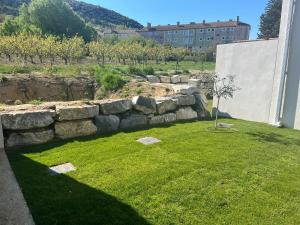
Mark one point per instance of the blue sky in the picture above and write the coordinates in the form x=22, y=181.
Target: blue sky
x=170, y=11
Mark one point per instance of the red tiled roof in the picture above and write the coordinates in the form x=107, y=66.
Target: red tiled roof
x=195, y=26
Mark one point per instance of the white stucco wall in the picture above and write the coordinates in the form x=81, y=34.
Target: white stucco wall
x=291, y=107
x=253, y=65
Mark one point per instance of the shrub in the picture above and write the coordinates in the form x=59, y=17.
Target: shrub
x=112, y=82
x=148, y=70
x=132, y=70
x=186, y=71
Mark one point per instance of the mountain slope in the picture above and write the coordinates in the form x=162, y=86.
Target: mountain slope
x=91, y=13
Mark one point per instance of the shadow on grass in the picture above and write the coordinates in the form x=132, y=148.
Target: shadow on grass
x=274, y=138
x=61, y=200
x=58, y=143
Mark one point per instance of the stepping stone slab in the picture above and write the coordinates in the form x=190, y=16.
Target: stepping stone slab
x=148, y=140
x=61, y=169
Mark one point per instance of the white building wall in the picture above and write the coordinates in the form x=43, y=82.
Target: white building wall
x=291, y=109
x=253, y=64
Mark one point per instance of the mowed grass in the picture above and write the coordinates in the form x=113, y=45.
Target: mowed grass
x=250, y=175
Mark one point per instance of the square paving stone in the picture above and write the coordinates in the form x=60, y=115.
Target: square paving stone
x=61, y=169
x=148, y=140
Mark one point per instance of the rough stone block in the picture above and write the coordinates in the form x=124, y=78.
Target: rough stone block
x=166, y=104
x=107, y=124
x=115, y=106
x=162, y=119
x=77, y=112
x=194, y=82
x=175, y=79
x=184, y=78
x=186, y=113
x=185, y=100
x=144, y=104
x=134, y=121
x=18, y=139
x=25, y=120
x=165, y=79
x=185, y=89
x=72, y=129
x=201, y=106
x=153, y=79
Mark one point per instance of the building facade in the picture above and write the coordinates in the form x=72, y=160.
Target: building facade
x=202, y=36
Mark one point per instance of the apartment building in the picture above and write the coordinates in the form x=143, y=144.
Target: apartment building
x=202, y=36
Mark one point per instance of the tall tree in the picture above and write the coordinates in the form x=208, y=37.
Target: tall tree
x=57, y=18
x=270, y=20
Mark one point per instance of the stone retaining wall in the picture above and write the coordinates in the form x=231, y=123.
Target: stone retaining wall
x=201, y=81
x=42, y=125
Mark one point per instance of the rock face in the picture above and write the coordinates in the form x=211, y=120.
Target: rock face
x=186, y=114
x=164, y=105
x=107, y=124
x=25, y=88
x=115, y=106
x=162, y=119
x=27, y=120
x=165, y=79
x=153, y=79
x=77, y=112
x=133, y=121
x=71, y=129
x=29, y=138
x=185, y=89
x=175, y=79
x=144, y=104
x=185, y=100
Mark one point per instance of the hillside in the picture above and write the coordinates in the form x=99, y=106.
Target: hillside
x=91, y=13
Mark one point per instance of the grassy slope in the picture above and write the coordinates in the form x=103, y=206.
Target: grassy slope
x=194, y=176
x=76, y=69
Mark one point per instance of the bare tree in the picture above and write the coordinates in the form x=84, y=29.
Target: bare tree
x=223, y=88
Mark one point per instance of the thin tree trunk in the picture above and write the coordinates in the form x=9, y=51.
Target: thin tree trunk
x=217, y=113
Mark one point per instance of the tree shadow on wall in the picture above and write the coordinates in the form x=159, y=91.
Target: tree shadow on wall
x=274, y=138
x=61, y=200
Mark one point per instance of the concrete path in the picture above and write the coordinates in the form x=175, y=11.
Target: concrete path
x=13, y=208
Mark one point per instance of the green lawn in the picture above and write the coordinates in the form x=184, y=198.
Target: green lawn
x=194, y=176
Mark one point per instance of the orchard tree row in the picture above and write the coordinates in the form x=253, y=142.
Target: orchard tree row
x=53, y=50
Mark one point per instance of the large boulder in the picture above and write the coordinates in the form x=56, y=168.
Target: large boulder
x=201, y=106
x=19, y=139
x=133, y=121
x=162, y=119
x=185, y=100
x=115, y=106
x=107, y=124
x=166, y=104
x=185, y=89
x=184, y=78
x=175, y=79
x=195, y=82
x=165, y=79
x=71, y=129
x=186, y=113
x=144, y=104
x=25, y=120
x=77, y=112
x=153, y=79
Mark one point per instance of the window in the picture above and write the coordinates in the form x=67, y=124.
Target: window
x=213, y=29
x=223, y=38
x=208, y=30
